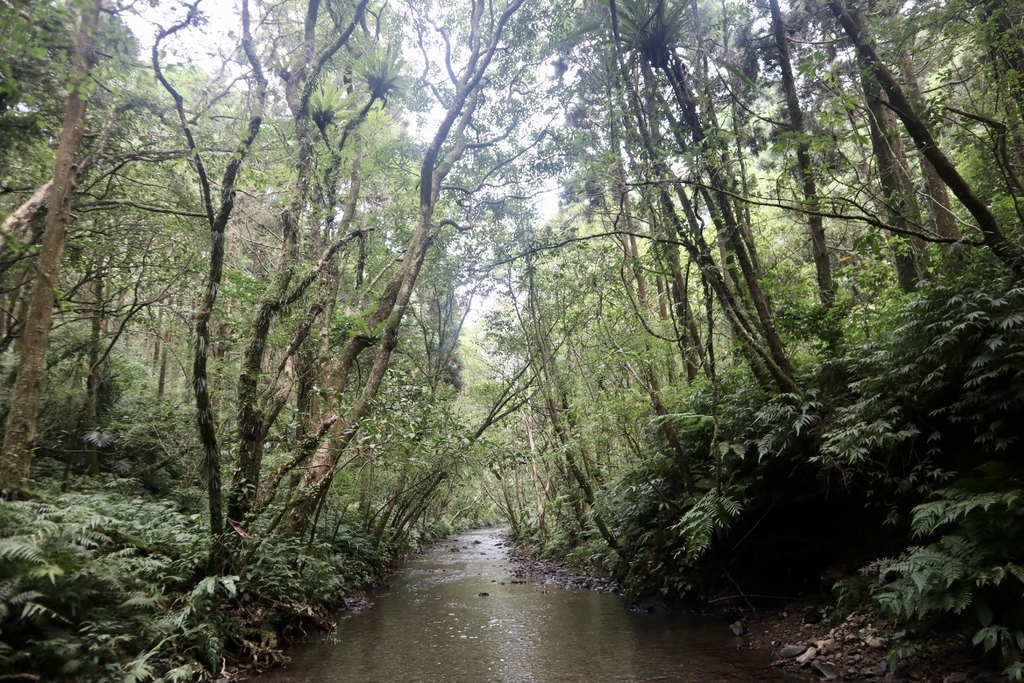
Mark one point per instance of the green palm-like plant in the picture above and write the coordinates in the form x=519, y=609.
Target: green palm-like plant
x=382, y=71
x=325, y=105
x=651, y=28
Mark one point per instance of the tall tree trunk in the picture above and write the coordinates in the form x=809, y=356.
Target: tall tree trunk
x=819, y=249
x=938, y=199
x=649, y=374
x=217, y=216
x=92, y=382
x=20, y=435
x=1003, y=31
x=894, y=178
x=691, y=237
x=538, y=488
x=434, y=168
x=253, y=421
x=161, y=384
x=735, y=235
x=688, y=342
x=551, y=386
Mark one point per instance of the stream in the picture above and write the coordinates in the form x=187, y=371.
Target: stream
x=453, y=615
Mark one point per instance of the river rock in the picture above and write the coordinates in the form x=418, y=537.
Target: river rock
x=357, y=603
x=874, y=641
x=827, y=646
x=560, y=575
x=813, y=615
x=829, y=672
x=806, y=657
x=791, y=651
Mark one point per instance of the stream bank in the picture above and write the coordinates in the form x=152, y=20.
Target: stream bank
x=862, y=647
x=803, y=639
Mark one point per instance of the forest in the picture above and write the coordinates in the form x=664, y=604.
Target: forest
x=720, y=298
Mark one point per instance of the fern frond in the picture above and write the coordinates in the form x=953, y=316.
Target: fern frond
x=19, y=550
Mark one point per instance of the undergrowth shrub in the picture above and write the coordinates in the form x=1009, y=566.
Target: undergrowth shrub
x=972, y=560
x=938, y=393
x=664, y=533
x=84, y=578
x=882, y=438
x=107, y=584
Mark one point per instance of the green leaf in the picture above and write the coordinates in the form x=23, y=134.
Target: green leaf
x=984, y=613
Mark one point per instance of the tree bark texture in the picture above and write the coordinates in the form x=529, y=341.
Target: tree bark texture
x=815, y=227
x=20, y=436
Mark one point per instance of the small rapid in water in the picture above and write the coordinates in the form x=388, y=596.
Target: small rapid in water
x=453, y=615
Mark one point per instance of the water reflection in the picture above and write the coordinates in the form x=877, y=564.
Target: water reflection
x=453, y=616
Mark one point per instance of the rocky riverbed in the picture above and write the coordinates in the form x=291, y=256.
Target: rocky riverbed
x=559, y=575
x=863, y=646
x=546, y=573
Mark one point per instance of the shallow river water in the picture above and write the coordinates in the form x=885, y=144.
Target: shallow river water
x=433, y=625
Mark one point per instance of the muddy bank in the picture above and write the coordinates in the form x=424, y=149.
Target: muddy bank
x=865, y=646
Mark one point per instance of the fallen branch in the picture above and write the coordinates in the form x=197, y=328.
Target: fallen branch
x=308, y=613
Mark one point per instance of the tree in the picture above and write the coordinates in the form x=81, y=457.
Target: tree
x=819, y=248
x=20, y=433
x=992, y=234
x=300, y=82
x=217, y=216
x=449, y=143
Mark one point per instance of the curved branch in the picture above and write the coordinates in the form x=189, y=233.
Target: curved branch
x=179, y=106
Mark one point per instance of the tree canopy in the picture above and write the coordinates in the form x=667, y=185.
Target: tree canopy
x=705, y=295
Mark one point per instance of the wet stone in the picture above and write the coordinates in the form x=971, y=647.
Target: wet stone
x=827, y=671
x=791, y=651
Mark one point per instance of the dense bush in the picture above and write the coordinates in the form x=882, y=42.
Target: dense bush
x=93, y=579
x=971, y=560
x=900, y=447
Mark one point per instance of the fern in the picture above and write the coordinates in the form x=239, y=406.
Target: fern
x=710, y=516
x=84, y=580
x=955, y=505
x=955, y=353
x=974, y=561
x=787, y=418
